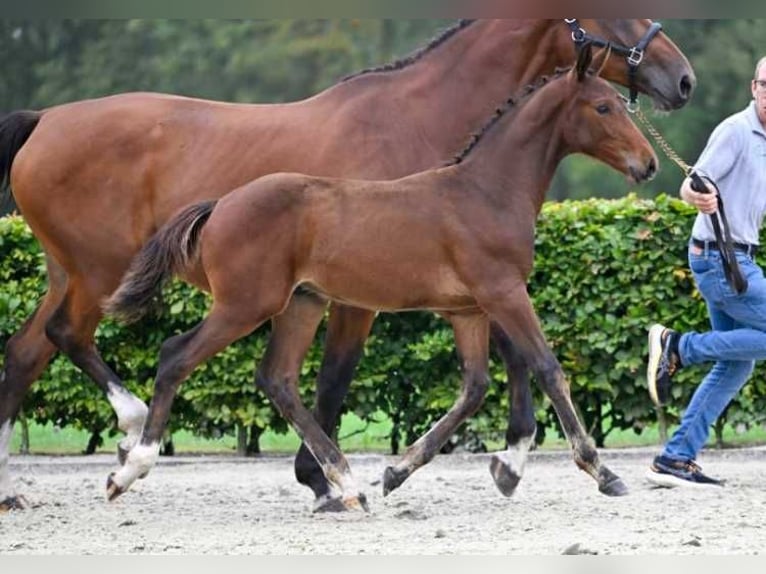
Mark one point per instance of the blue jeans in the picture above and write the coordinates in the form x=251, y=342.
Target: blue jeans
x=737, y=340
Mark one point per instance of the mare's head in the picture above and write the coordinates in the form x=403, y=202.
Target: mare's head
x=594, y=120
x=660, y=69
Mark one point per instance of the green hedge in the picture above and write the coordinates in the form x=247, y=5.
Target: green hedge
x=604, y=271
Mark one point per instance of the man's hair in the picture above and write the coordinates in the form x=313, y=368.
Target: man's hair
x=760, y=63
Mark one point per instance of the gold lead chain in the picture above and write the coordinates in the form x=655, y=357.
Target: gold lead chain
x=664, y=145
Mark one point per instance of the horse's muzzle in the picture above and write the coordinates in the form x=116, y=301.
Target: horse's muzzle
x=645, y=173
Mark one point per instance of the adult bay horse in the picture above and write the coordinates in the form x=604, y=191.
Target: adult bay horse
x=94, y=179
x=458, y=240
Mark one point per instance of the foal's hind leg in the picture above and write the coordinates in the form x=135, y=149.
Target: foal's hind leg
x=71, y=329
x=277, y=376
x=179, y=356
x=507, y=467
x=471, y=341
x=27, y=353
x=347, y=330
x=513, y=310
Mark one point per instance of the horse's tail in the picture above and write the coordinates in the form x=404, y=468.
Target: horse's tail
x=170, y=251
x=15, y=129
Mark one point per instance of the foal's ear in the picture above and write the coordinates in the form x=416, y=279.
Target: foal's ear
x=584, y=58
x=600, y=59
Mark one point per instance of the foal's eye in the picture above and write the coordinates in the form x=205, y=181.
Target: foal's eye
x=602, y=109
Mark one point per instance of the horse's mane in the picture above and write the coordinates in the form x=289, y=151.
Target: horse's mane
x=510, y=104
x=417, y=54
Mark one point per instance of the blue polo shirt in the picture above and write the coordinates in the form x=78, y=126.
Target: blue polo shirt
x=735, y=158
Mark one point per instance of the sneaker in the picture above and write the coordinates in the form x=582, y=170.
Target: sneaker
x=663, y=363
x=667, y=472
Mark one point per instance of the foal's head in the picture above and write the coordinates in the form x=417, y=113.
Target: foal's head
x=594, y=121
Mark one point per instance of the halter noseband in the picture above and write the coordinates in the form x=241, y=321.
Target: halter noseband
x=633, y=56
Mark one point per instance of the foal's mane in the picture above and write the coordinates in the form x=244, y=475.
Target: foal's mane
x=510, y=104
x=417, y=54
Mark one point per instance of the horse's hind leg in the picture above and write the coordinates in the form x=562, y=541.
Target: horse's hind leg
x=347, y=330
x=471, y=341
x=512, y=309
x=507, y=467
x=27, y=353
x=71, y=329
x=179, y=355
x=277, y=376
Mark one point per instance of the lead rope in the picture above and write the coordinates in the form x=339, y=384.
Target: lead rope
x=722, y=236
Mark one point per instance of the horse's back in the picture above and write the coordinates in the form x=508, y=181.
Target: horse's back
x=141, y=154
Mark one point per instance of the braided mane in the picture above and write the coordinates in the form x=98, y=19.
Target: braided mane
x=510, y=104
x=417, y=54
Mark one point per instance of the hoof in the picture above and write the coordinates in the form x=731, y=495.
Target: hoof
x=17, y=502
x=615, y=487
x=326, y=504
x=355, y=503
x=393, y=479
x=505, y=479
x=113, y=490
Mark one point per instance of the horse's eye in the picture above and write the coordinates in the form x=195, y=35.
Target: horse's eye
x=603, y=109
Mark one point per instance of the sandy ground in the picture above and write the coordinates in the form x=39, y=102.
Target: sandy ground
x=226, y=505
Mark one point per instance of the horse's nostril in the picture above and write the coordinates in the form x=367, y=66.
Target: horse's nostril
x=651, y=169
x=686, y=86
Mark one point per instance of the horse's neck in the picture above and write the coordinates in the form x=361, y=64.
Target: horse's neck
x=451, y=90
x=517, y=158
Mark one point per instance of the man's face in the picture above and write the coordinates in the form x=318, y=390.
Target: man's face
x=758, y=88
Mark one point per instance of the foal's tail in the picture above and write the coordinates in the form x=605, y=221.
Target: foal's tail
x=169, y=251
x=15, y=129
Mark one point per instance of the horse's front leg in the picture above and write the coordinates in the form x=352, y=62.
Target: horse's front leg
x=507, y=467
x=472, y=341
x=512, y=309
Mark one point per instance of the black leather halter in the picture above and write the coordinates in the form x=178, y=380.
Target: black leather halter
x=633, y=56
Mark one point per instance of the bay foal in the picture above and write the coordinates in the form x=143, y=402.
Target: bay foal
x=457, y=240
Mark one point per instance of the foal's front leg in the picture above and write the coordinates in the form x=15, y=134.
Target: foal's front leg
x=512, y=309
x=472, y=341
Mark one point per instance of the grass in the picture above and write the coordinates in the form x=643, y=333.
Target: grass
x=355, y=436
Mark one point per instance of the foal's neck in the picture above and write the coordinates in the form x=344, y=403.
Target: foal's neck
x=517, y=157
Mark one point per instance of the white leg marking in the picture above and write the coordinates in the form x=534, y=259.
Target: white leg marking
x=141, y=459
x=131, y=413
x=515, y=458
x=6, y=486
x=344, y=481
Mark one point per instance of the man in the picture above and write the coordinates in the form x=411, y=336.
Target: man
x=735, y=159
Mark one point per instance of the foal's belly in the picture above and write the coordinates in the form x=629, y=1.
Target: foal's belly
x=399, y=290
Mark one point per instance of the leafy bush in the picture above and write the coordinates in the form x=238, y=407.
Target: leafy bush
x=604, y=271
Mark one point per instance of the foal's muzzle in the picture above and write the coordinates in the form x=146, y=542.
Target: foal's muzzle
x=644, y=173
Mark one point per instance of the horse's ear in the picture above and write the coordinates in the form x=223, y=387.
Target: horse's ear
x=584, y=58
x=600, y=59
